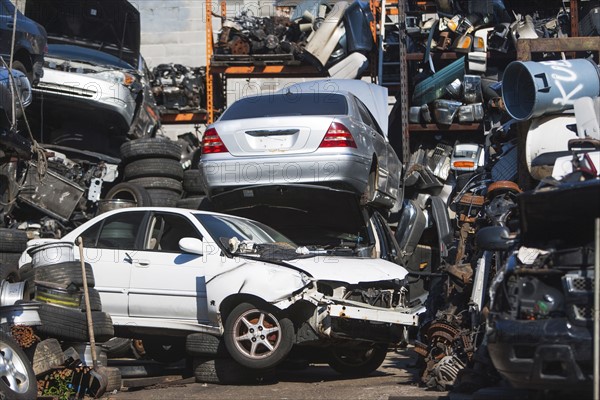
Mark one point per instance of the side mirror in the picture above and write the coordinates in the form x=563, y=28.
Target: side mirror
x=22, y=90
x=191, y=245
x=495, y=238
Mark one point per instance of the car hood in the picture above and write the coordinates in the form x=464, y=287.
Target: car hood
x=373, y=96
x=112, y=26
x=294, y=209
x=351, y=270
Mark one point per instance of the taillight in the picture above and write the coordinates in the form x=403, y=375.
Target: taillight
x=212, y=143
x=338, y=136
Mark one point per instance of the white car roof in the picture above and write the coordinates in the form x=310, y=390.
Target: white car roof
x=374, y=96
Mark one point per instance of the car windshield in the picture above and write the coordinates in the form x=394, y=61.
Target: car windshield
x=290, y=104
x=241, y=235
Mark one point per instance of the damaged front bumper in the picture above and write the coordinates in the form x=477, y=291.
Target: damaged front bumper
x=543, y=354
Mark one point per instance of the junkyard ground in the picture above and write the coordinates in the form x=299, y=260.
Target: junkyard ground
x=395, y=379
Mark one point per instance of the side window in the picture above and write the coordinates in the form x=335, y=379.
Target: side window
x=366, y=116
x=115, y=232
x=166, y=230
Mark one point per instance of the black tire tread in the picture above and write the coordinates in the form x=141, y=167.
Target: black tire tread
x=9, y=272
x=192, y=182
x=157, y=147
x=130, y=191
x=226, y=371
x=205, y=345
x=69, y=324
x=62, y=274
x=12, y=240
x=159, y=183
x=5, y=390
x=164, y=197
x=152, y=167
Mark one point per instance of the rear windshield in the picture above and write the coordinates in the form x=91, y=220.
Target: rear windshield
x=278, y=105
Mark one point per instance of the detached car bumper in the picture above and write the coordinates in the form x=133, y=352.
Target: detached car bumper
x=543, y=354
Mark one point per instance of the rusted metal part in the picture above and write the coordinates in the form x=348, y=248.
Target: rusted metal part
x=527, y=46
x=24, y=335
x=501, y=187
x=464, y=272
x=465, y=229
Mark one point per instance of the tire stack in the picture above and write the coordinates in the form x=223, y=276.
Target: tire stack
x=12, y=244
x=59, y=289
x=154, y=164
x=211, y=363
x=194, y=197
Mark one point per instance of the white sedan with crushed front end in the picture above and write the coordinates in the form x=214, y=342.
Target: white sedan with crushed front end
x=331, y=133
x=168, y=271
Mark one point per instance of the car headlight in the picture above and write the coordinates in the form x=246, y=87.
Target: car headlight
x=119, y=77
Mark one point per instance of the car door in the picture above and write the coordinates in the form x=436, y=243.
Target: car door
x=165, y=281
x=379, y=145
x=110, y=246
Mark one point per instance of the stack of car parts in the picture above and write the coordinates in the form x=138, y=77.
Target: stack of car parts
x=154, y=164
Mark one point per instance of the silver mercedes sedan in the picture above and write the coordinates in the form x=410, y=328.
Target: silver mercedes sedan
x=325, y=132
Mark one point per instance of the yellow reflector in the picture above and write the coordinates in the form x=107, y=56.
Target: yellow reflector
x=423, y=265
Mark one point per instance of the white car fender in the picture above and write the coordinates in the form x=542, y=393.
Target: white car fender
x=275, y=284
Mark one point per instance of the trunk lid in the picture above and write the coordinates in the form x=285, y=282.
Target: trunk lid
x=273, y=136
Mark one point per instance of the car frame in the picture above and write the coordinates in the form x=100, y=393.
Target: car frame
x=201, y=285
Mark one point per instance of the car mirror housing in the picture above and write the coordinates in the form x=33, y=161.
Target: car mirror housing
x=191, y=245
x=495, y=238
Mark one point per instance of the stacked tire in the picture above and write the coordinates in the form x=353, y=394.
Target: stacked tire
x=154, y=164
x=12, y=244
x=211, y=363
x=194, y=196
x=59, y=289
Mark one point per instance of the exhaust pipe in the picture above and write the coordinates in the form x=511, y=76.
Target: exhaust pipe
x=531, y=89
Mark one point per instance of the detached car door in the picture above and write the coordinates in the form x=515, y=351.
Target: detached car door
x=166, y=282
x=110, y=246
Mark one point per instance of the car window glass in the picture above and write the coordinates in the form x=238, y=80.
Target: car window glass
x=366, y=116
x=391, y=244
x=118, y=231
x=278, y=105
x=166, y=230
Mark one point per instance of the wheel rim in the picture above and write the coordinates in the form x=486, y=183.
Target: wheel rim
x=257, y=334
x=12, y=369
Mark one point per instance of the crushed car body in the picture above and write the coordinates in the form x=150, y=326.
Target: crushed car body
x=174, y=270
x=99, y=73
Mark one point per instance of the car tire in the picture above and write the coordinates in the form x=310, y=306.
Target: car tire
x=164, y=197
x=95, y=302
x=47, y=355
x=173, y=185
x=130, y=191
x=192, y=182
x=10, y=258
x=13, y=240
x=9, y=272
x=71, y=325
x=355, y=362
x=63, y=274
x=263, y=318
x=226, y=371
x=164, y=350
x=371, y=190
x=118, y=347
x=156, y=147
x=17, y=379
x=205, y=345
x=192, y=203
x=114, y=379
x=19, y=66
x=152, y=167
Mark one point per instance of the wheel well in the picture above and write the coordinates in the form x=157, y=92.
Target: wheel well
x=298, y=312
x=23, y=56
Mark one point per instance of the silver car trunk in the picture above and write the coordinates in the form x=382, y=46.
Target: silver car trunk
x=273, y=135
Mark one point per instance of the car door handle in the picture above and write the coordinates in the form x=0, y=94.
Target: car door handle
x=142, y=263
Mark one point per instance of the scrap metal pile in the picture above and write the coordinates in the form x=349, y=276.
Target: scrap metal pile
x=316, y=32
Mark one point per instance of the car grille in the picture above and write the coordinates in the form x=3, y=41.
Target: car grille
x=577, y=283
x=583, y=312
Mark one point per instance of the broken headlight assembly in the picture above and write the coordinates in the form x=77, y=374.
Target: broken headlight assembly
x=530, y=297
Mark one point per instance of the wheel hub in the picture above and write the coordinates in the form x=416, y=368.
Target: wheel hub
x=257, y=334
x=10, y=374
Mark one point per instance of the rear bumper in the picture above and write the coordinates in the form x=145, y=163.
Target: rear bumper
x=546, y=354
x=340, y=171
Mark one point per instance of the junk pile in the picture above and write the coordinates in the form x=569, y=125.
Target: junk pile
x=336, y=38
x=45, y=334
x=180, y=88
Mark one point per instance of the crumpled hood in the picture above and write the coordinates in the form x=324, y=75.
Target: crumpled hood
x=351, y=270
x=112, y=26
